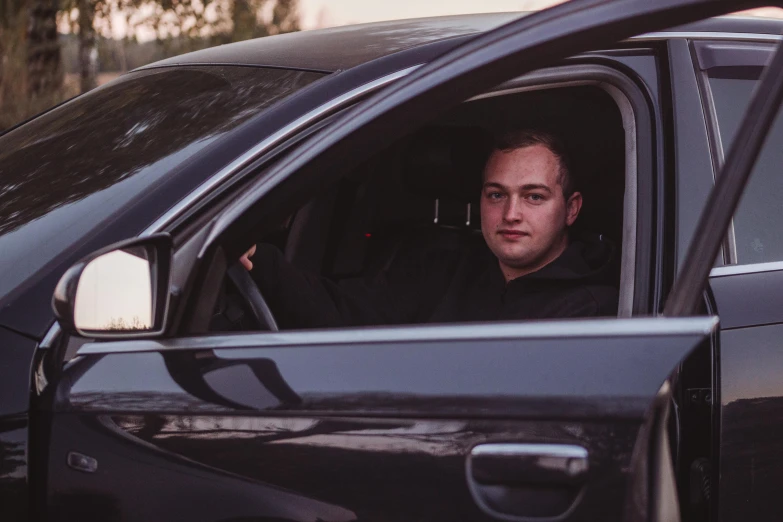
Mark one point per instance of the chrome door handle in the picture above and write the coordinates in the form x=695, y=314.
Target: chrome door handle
x=528, y=463
x=527, y=481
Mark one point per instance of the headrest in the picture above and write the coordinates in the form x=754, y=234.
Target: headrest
x=446, y=163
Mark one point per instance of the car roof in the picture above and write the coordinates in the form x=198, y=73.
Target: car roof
x=343, y=47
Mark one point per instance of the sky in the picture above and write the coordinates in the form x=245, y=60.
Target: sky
x=327, y=13
x=316, y=14
x=110, y=275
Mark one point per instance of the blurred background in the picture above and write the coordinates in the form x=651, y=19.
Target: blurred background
x=52, y=50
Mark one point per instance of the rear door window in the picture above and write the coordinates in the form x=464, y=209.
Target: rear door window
x=731, y=73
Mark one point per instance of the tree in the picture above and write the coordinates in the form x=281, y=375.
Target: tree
x=285, y=17
x=81, y=17
x=247, y=20
x=44, y=73
x=119, y=323
x=11, y=38
x=88, y=53
x=180, y=25
x=31, y=63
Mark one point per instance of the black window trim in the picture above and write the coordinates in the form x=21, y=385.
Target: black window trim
x=729, y=247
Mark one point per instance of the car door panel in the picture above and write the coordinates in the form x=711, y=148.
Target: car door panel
x=751, y=403
x=14, y=423
x=136, y=480
x=436, y=363
x=749, y=297
x=346, y=469
x=368, y=425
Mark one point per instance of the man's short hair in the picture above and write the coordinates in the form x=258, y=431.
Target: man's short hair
x=517, y=139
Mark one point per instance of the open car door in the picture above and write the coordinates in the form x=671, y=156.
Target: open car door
x=560, y=420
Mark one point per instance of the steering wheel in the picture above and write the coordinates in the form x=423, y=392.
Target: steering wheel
x=248, y=289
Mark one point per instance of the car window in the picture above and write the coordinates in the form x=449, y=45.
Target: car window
x=64, y=174
x=403, y=239
x=758, y=220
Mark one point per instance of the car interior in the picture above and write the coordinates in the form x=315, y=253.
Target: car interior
x=425, y=188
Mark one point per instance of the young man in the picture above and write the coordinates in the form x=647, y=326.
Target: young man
x=526, y=267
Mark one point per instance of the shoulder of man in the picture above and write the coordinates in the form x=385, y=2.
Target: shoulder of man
x=595, y=300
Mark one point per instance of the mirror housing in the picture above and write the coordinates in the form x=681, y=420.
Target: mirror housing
x=119, y=292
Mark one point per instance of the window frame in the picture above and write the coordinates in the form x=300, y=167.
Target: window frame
x=638, y=273
x=709, y=53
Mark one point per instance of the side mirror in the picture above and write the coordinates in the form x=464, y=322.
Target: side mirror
x=121, y=291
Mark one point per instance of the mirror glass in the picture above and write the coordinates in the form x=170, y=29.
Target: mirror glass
x=115, y=292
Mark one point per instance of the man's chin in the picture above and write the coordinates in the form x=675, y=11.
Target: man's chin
x=517, y=262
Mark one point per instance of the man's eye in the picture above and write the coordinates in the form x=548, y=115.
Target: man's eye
x=494, y=195
x=536, y=197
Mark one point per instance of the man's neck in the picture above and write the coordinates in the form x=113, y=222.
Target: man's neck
x=512, y=272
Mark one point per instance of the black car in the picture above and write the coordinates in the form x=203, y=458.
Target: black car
x=143, y=377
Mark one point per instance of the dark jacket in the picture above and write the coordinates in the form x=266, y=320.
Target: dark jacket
x=440, y=283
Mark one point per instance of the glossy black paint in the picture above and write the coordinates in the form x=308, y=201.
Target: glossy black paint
x=751, y=357
x=14, y=499
x=16, y=351
x=428, y=378
x=15, y=373
x=751, y=456
x=751, y=299
x=343, y=431
x=223, y=467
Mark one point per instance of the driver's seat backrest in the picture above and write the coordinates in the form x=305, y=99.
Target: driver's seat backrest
x=426, y=187
x=440, y=173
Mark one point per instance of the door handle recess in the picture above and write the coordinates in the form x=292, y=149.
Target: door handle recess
x=527, y=481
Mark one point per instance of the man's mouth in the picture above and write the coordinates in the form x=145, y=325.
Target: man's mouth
x=511, y=234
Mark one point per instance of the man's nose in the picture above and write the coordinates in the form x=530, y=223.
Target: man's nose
x=512, y=213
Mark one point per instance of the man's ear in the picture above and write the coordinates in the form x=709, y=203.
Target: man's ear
x=573, y=206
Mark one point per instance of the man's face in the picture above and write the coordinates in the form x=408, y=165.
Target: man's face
x=524, y=215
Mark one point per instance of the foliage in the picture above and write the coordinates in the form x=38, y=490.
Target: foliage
x=200, y=22
x=247, y=20
x=17, y=103
x=37, y=73
x=118, y=323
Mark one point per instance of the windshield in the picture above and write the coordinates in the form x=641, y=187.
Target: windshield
x=65, y=173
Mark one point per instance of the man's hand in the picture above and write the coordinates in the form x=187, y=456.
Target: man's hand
x=245, y=259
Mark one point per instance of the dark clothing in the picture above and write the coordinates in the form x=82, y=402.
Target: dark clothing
x=440, y=283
